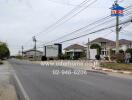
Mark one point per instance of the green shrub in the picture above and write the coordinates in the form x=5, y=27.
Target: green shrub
x=119, y=58
x=1, y=62
x=96, y=46
x=19, y=57
x=64, y=56
x=113, y=57
x=44, y=58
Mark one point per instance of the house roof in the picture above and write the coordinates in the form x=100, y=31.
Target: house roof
x=102, y=40
x=124, y=41
x=32, y=50
x=74, y=46
x=117, y=7
x=112, y=43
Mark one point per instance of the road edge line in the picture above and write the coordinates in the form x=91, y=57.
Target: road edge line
x=23, y=94
x=18, y=85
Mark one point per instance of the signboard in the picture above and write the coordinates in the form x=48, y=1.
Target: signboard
x=52, y=51
x=117, y=10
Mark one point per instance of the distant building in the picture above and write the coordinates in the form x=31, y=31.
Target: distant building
x=30, y=54
x=75, y=51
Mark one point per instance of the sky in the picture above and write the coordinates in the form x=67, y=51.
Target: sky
x=20, y=20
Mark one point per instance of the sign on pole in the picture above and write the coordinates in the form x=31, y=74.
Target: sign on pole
x=117, y=10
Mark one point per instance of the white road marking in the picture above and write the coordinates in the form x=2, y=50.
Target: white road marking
x=21, y=87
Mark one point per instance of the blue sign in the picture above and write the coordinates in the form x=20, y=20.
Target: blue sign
x=117, y=10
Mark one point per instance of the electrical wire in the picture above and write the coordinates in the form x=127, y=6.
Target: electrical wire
x=122, y=23
x=93, y=32
x=107, y=17
x=65, y=16
x=68, y=4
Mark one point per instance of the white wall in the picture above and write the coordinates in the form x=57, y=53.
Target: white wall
x=93, y=53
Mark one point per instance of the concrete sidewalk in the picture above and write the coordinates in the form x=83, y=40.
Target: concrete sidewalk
x=7, y=90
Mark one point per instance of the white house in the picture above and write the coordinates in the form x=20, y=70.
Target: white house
x=75, y=50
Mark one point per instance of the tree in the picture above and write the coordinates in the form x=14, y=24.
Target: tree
x=83, y=55
x=4, y=51
x=121, y=51
x=96, y=46
x=129, y=51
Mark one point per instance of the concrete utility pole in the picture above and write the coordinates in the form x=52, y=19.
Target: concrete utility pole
x=88, y=50
x=73, y=56
x=19, y=53
x=22, y=50
x=117, y=31
x=44, y=50
x=34, y=40
x=117, y=34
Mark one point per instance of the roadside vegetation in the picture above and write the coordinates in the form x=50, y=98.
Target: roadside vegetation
x=118, y=61
x=19, y=57
x=1, y=62
x=4, y=52
x=117, y=66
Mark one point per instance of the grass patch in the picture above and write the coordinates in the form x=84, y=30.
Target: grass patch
x=117, y=66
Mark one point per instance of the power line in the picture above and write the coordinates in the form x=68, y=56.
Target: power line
x=93, y=32
x=107, y=17
x=65, y=16
x=78, y=29
x=68, y=4
x=87, y=26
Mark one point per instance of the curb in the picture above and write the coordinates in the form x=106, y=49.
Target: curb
x=116, y=71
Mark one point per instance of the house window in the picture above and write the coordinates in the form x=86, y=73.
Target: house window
x=103, y=44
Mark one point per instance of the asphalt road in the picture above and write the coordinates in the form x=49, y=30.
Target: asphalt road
x=40, y=83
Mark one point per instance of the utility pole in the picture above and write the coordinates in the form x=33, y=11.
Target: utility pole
x=88, y=50
x=19, y=53
x=44, y=50
x=117, y=11
x=34, y=40
x=73, y=57
x=117, y=31
x=22, y=50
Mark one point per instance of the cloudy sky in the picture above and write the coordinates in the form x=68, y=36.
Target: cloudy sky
x=20, y=20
